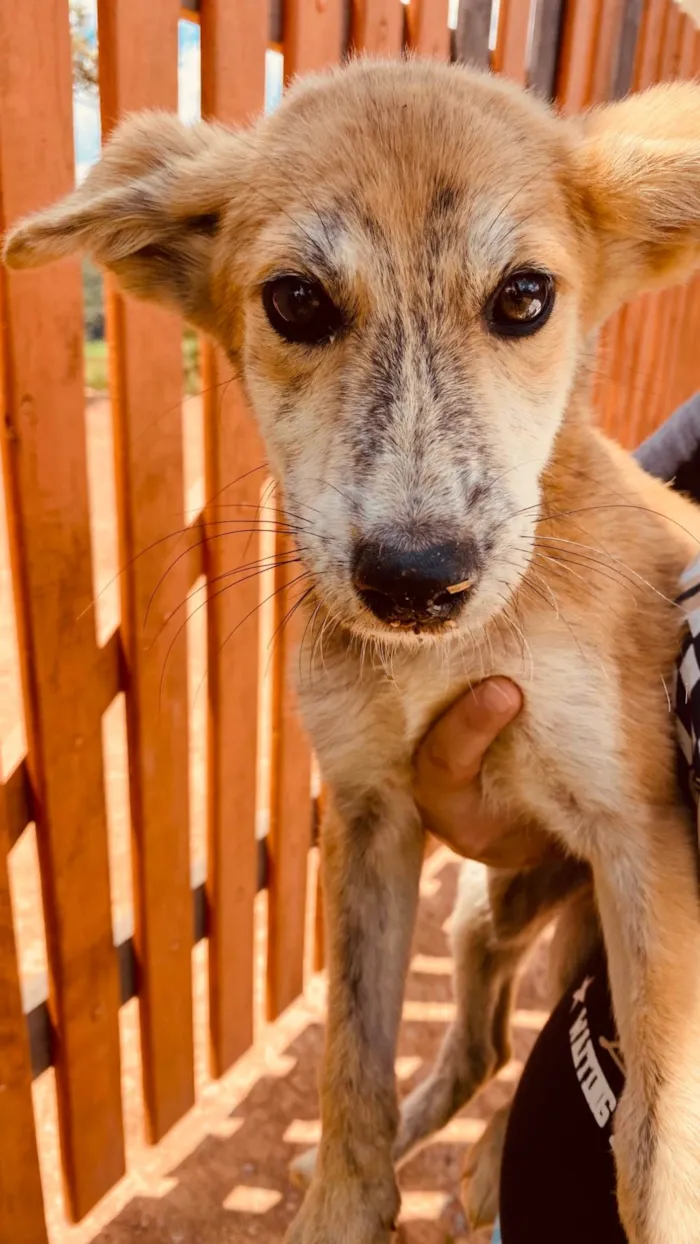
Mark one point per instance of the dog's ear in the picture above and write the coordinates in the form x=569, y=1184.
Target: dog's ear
x=149, y=211
x=637, y=182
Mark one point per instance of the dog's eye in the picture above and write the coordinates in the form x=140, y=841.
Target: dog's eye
x=300, y=310
x=521, y=305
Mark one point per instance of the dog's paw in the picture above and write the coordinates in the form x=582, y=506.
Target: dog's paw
x=347, y=1212
x=301, y=1169
x=481, y=1174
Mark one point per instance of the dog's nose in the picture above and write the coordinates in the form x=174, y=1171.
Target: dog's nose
x=414, y=586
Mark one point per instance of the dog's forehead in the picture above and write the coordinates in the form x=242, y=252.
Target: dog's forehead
x=382, y=159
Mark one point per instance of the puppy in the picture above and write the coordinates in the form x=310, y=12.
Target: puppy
x=408, y=263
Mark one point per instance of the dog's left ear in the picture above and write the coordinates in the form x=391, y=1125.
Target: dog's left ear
x=151, y=211
x=637, y=183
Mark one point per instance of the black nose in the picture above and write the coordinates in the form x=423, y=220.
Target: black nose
x=414, y=586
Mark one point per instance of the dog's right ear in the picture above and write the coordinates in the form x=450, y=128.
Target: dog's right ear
x=149, y=211
x=636, y=184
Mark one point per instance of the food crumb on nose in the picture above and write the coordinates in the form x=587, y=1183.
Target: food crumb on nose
x=459, y=587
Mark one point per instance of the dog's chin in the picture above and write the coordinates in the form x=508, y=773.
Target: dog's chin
x=402, y=634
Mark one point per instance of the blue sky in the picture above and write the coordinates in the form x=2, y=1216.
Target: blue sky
x=86, y=111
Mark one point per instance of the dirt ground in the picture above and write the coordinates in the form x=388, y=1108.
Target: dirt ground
x=221, y=1174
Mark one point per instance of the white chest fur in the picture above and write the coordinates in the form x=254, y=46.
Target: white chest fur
x=367, y=718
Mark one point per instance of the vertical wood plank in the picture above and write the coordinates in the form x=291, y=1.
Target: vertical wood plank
x=627, y=48
x=687, y=367
x=313, y=31
x=319, y=955
x=428, y=32
x=319, y=959
x=645, y=317
x=138, y=49
x=233, y=46
x=673, y=307
x=377, y=27
x=623, y=333
x=510, y=53
x=291, y=808
x=605, y=59
x=472, y=35
x=546, y=38
x=21, y=1199
x=578, y=52
x=43, y=452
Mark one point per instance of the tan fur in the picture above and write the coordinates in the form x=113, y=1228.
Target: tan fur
x=409, y=189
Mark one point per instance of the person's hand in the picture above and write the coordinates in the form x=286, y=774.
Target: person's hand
x=447, y=786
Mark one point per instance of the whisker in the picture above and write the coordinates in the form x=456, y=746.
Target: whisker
x=288, y=615
x=220, y=535
x=623, y=566
x=202, y=605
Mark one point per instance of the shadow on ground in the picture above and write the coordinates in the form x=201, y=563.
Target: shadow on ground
x=234, y=1185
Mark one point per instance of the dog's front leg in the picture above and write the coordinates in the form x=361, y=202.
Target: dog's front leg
x=647, y=891
x=372, y=847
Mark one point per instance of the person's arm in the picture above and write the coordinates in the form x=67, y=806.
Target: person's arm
x=672, y=453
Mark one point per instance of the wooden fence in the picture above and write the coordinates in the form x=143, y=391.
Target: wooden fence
x=579, y=51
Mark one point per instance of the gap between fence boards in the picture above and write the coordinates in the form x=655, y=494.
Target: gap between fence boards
x=41, y=1040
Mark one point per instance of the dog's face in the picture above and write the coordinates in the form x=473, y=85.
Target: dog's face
x=410, y=327
x=406, y=263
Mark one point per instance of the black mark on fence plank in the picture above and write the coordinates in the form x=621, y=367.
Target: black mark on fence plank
x=20, y=801
x=41, y=1035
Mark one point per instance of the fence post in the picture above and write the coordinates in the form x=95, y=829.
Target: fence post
x=234, y=39
x=428, y=32
x=43, y=451
x=377, y=27
x=21, y=1199
x=138, y=49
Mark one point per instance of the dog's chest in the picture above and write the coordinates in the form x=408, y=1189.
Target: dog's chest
x=564, y=750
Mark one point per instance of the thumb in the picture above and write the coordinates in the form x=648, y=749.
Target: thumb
x=453, y=750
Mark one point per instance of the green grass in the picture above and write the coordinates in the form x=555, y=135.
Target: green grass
x=97, y=366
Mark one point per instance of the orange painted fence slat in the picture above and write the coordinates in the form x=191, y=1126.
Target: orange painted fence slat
x=608, y=37
x=233, y=86
x=377, y=26
x=648, y=315
x=428, y=32
x=291, y=809
x=21, y=1200
x=633, y=368
x=138, y=69
x=578, y=51
x=622, y=373
x=673, y=303
x=510, y=54
x=313, y=32
x=46, y=489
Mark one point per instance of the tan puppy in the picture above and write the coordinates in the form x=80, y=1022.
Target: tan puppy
x=407, y=263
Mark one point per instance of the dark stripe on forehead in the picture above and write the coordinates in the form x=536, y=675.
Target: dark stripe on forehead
x=445, y=200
